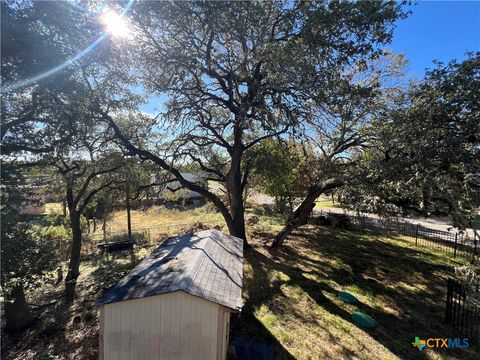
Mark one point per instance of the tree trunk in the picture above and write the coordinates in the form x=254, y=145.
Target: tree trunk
x=104, y=227
x=236, y=221
x=59, y=276
x=425, y=198
x=290, y=205
x=64, y=208
x=245, y=195
x=236, y=227
x=17, y=313
x=74, y=264
x=301, y=214
x=129, y=218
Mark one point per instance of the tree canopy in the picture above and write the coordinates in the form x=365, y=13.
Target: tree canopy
x=237, y=73
x=425, y=157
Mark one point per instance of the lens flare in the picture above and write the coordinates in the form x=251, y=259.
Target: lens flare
x=115, y=24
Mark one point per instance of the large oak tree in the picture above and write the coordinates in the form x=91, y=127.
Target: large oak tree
x=237, y=73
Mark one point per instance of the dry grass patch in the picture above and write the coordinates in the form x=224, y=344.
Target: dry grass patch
x=158, y=220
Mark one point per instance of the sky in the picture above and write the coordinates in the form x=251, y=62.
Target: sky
x=436, y=30
x=441, y=30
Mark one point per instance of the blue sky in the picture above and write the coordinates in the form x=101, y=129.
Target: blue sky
x=441, y=30
x=436, y=30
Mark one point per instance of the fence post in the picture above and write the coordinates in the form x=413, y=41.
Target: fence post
x=416, y=235
x=449, y=301
x=455, y=248
x=474, y=246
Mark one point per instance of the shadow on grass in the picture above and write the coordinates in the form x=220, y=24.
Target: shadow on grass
x=111, y=268
x=323, y=261
x=247, y=324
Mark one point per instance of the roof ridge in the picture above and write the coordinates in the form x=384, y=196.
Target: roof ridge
x=207, y=264
x=198, y=260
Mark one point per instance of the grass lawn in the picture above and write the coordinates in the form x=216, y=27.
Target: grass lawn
x=327, y=204
x=290, y=295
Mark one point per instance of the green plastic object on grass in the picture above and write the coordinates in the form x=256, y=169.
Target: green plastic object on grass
x=347, y=297
x=363, y=320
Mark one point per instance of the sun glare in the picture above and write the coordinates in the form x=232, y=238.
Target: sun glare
x=115, y=24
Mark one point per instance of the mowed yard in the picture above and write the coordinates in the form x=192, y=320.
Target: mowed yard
x=290, y=295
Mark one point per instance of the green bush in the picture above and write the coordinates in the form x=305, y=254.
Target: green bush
x=56, y=218
x=26, y=258
x=55, y=226
x=51, y=232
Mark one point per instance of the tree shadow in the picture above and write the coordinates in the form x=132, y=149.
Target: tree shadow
x=246, y=324
x=410, y=281
x=48, y=335
x=111, y=268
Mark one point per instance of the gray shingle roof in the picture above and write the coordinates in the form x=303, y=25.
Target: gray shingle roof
x=208, y=264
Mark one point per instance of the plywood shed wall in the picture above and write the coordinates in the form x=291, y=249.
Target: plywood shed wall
x=176, y=303
x=169, y=326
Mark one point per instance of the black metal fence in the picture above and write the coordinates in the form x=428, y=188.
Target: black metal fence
x=451, y=243
x=462, y=309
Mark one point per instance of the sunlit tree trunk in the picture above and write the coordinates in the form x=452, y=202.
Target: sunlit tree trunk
x=300, y=216
x=129, y=216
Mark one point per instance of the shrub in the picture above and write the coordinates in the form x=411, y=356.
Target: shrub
x=51, y=232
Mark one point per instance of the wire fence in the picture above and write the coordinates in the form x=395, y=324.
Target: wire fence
x=456, y=244
x=142, y=237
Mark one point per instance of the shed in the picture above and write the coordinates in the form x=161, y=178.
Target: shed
x=176, y=303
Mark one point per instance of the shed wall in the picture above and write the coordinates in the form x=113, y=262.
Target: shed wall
x=167, y=326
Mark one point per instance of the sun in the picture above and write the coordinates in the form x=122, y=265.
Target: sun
x=115, y=24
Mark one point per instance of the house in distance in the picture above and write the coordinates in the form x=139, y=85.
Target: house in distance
x=177, y=302
x=164, y=195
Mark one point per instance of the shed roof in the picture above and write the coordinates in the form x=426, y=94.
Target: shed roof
x=208, y=264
